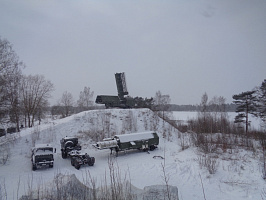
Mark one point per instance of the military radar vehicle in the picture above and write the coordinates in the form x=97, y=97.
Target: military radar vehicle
x=42, y=155
x=142, y=141
x=120, y=101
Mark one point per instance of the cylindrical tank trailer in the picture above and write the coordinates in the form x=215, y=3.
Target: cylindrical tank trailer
x=143, y=141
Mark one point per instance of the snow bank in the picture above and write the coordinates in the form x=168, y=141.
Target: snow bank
x=69, y=187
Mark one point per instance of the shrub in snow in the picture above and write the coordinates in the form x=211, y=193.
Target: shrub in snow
x=208, y=162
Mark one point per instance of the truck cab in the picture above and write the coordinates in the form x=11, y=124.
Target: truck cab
x=42, y=155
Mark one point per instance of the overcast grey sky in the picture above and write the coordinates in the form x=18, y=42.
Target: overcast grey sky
x=182, y=48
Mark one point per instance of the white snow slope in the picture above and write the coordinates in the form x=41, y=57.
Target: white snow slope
x=239, y=174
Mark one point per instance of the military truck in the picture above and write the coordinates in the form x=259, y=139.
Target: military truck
x=69, y=144
x=143, y=141
x=42, y=155
x=120, y=101
x=11, y=130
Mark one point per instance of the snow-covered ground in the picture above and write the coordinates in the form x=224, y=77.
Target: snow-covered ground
x=238, y=176
x=183, y=116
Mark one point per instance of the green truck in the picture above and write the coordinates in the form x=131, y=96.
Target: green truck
x=142, y=141
x=114, y=101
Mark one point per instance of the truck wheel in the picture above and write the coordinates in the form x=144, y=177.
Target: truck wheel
x=72, y=161
x=77, y=166
x=91, y=161
x=34, y=167
x=64, y=154
x=51, y=166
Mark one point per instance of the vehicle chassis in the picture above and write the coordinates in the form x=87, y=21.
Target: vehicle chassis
x=78, y=159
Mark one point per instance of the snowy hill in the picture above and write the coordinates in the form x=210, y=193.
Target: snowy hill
x=238, y=175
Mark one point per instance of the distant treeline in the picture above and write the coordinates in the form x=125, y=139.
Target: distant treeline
x=60, y=110
x=173, y=107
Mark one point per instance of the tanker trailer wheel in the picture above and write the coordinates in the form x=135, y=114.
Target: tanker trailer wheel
x=116, y=151
x=152, y=147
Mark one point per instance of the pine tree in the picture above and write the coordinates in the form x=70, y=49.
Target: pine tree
x=261, y=102
x=245, y=103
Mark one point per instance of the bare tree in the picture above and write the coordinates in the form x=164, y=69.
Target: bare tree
x=67, y=101
x=85, y=98
x=12, y=96
x=204, y=104
x=9, y=61
x=224, y=119
x=218, y=116
x=10, y=72
x=203, y=114
x=35, y=91
x=161, y=103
